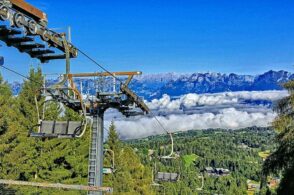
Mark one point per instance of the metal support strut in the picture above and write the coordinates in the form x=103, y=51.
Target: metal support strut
x=96, y=152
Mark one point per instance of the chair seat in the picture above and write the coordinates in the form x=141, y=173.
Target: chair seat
x=58, y=129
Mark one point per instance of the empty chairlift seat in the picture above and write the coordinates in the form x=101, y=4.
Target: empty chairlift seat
x=167, y=177
x=58, y=129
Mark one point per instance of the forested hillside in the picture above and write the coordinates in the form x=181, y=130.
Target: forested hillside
x=238, y=151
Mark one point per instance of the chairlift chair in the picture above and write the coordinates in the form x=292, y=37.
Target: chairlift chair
x=164, y=177
x=58, y=129
x=167, y=177
x=110, y=170
x=155, y=184
x=172, y=154
x=68, y=96
x=202, y=183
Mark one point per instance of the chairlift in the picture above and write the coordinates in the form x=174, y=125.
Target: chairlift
x=155, y=184
x=58, y=129
x=167, y=177
x=109, y=170
x=172, y=154
x=202, y=183
x=67, y=96
x=164, y=177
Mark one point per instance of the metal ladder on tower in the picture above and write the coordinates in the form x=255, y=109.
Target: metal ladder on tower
x=92, y=171
x=95, y=167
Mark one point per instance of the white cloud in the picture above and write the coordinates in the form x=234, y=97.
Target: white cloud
x=229, y=118
x=272, y=95
x=226, y=110
x=192, y=99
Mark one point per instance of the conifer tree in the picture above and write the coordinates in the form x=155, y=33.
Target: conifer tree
x=281, y=160
x=30, y=89
x=131, y=176
x=113, y=138
x=5, y=96
x=9, y=131
x=5, y=90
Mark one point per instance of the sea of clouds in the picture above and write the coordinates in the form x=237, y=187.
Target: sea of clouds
x=193, y=99
x=228, y=110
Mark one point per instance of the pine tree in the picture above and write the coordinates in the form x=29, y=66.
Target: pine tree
x=113, y=138
x=5, y=90
x=131, y=176
x=10, y=130
x=281, y=160
x=5, y=98
x=30, y=90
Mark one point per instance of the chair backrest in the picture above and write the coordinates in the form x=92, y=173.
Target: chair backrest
x=61, y=127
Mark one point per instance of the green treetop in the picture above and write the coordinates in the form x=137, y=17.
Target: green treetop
x=281, y=160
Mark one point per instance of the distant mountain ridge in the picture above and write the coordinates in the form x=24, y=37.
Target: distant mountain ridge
x=217, y=82
x=152, y=86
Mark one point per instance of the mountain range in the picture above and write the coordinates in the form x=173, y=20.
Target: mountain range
x=152, y=86
x=217, y=82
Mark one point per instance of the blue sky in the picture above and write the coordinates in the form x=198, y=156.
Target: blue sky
x=247, y=37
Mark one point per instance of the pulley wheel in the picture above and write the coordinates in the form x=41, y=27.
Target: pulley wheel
x=5, y=14
x=45, y=36
x=18, y=20
x=56, y=36
x=33, y=28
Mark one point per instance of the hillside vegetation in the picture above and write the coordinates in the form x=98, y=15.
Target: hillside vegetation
x=235, y=150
